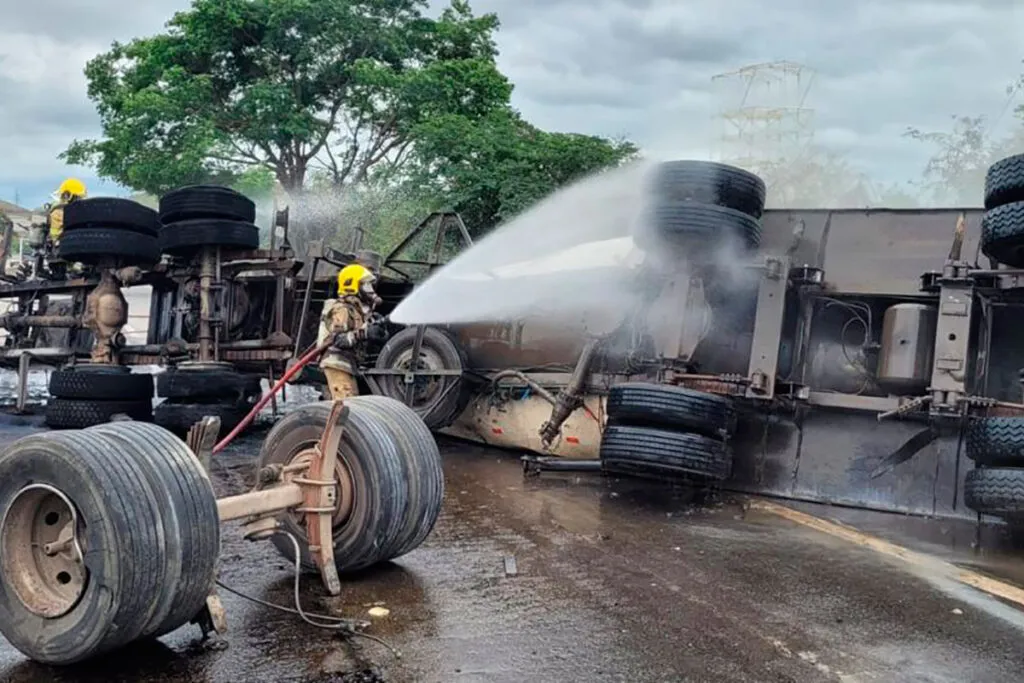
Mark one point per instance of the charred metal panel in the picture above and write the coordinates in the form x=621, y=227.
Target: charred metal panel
x=830, y=458
x=1006, y=353
x=883, y=251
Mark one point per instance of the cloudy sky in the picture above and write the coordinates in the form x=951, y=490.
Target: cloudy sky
x=640, y=68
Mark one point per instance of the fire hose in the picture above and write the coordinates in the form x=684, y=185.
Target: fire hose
x=302, y=362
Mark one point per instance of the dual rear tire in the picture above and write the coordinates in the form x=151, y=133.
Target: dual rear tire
x=668, y=432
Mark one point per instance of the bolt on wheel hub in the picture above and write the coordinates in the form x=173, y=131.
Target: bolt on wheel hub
x=40, y=554
x=342, y=477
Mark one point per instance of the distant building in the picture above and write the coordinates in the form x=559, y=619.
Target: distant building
x=21, y=217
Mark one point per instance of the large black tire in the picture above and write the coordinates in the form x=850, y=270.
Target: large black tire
x=996, y=441
x=191, y=525
x=995, y=491
x=125, y=552
x=445, y=396
x=206, y=201
x=421, y=467
x=87, y=383
x=659, y=405
x=1002, y=234
x=697, y=228
x=65, y=413
x=111, y=212
x=206, y=384
x=708, y=182
x=179, y=417
x=378, y=447
x=658, y=452
x=187, y=236
x=95, y=245
x=1004, y=182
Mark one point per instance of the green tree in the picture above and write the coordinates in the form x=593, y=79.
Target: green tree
x=286, y=86
x=955, y=174
x=493, y=168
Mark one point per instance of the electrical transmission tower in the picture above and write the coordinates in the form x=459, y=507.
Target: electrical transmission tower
x=764, y=121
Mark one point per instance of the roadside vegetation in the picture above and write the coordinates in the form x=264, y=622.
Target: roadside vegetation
x=372, y=113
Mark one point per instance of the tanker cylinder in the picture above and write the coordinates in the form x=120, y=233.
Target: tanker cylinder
x=907, y=349
x=106, y=313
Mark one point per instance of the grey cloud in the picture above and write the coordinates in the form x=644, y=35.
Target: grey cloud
x=100, y=21
x=637, y=67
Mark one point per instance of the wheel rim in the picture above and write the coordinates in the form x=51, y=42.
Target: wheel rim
x=426, y=390
x=40, y=553
x=343, y=478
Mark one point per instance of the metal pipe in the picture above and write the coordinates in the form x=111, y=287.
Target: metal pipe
x=535, y=464
x=13, y=320
x=569, y=399
x=306, y=299
x=987, y=273
x=265, y=501
x=536, y=388
x=207, y=273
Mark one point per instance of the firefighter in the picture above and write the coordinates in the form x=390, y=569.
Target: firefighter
x=72, y=189
x=347, y=320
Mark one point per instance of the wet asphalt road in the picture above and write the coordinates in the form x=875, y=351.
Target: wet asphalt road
x=616, y=580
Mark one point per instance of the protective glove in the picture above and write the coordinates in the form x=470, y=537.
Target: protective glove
x=376, y=332
x=348, y=340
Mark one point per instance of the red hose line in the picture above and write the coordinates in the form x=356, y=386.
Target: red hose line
x=291, y=372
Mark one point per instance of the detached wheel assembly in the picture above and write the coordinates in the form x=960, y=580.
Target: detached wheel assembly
x=438, y=399
x=390, y=473
x=110, y=535
x=84, y=572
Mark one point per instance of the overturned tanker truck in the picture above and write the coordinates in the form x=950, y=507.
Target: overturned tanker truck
x=856, y=357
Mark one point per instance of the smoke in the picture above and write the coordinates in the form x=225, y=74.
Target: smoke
x=383, y=214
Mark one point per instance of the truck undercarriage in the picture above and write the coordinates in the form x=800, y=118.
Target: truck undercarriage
x=855, y=346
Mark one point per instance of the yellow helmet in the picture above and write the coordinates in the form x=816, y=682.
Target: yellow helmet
x=72, y=188
x=351, y=277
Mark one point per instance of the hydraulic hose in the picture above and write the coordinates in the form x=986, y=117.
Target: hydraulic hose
x=302, y=362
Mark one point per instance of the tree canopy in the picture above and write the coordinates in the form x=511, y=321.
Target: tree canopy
x=491, y=169
x=359, y=98
x=286, y=85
